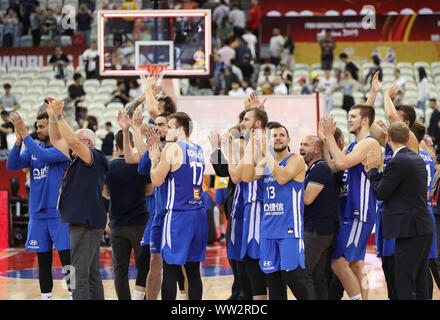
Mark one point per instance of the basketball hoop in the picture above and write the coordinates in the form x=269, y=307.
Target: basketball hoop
x=155, y=70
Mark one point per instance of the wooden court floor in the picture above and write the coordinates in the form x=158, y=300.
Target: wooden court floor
x=19, y=275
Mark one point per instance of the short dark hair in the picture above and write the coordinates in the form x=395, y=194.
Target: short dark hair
x=6, y=86
x=343, y=55
x=376, y=60
x=241, y=115
x=261, y=115
x=182, y=120
x=119, y=139
x=170, y=105
x=42, y=115
x=409, y=113
x=275, y=125
x=433, y=100
x=76, y=76
x=398, y=132
x=419, y=130
x=338, y=134
x=108, y=123
x=366, y=112
x=4, y=113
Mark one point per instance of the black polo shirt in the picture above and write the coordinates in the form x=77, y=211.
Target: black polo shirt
x=81, y=196
x=321, y=214
x=128, y=206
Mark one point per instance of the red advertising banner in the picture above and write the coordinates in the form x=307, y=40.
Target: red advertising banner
x=356, y=28
x=4, y=219
x=37, y=56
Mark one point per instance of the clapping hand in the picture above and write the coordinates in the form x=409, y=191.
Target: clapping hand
x=393, y=90
x=215, y=140
x=376, y=85
x=54, y=107
x=374, y=160
x=254, y=101
x=21, y=131
x=123, y=120
x=328, y=126
x=137, y=119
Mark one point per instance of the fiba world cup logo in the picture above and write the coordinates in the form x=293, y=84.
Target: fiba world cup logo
x=386, y=54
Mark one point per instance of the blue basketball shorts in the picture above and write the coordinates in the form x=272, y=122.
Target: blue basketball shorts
x=384, y=247
x=352, y=239
x=281, y=254
x=251, y=230
x=433, y=254
x=220, y=196
x=185, y=236
x=145, y=241
x=235, y=241
x=156, y=233
x=44, y=234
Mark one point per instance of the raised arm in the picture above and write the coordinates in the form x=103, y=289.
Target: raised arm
x=148, y=84
x=136, y=124
x=129, y=155
x=253, y=159
x=376, y=87
x=17, y=160
x=161, y=162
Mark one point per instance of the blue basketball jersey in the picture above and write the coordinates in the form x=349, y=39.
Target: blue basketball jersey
x=160, y=198
x=357, y=200
x=430, y=169
x=388, y=154
x=238, y=203
x=184, y=186
x=283, y=208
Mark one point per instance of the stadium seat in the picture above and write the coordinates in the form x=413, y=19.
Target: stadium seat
x=33, y=69
x=301, y=66
x=404, y=65
x=422, y=64
x=115, y=106
x=339, y=113
x=337, y=99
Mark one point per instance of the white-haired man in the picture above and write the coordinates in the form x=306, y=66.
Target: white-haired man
x=80, y=201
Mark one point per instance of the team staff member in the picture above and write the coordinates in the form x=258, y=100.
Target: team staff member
x=46, y=165
x=80, y=200
x=320, y=214
x=128, y=216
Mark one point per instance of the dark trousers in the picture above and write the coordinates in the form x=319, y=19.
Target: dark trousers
x=123, y=241
x=316, y=250
x=85, y=280
x=388, y=267
x=411, y=258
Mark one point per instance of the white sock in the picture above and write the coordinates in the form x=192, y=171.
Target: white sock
x=138, y=295
x=356, y=297
x=46, y=296
x=70, y=295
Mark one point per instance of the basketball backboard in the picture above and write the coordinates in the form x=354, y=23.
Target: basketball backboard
x=179, y=39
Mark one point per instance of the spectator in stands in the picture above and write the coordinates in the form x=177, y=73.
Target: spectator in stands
x=267, y=82
x=286, y=75
x=109, y=5
x=36, y=17
x=337, y=74
x=347, y=86
x=8, y=101
x=120, y=94
x=247, y=88
x=90, y=4
x=58, y=14
x=224, y=31
x=129, y=5
x=327, y=45
x=108, y=141
x=349, y=66
x=314, y=82
x=238, y=19
x=220, y=12
x=135, y=90
x=398, y=98
x=304, y=87
x=251, y=41
x=59, y=62
x=422, y=89
x=254, y=17
x=50, y=29
x=211, y=5
x=280, y=88
x=288, y=53
x=89, y=58
x=241, y=50
x=84, y=19
x=189, y=4
x=247, y=68
x=25, y=12
x=229, y=78
x=236, y=90
x=275, y=46
x=77, y=94
x=434, y=123
x=11, y=28
x=375, y=68
x=328, y=85
x=236, y=70
x=6, y=128
x=226, y=53
x=85, y=121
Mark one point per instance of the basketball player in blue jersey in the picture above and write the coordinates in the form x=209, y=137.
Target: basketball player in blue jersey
x=180, y=165
x=46, y=165
x=253, y=195
x=357, y=202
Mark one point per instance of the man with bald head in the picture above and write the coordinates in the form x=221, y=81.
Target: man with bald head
x=80, y=201
x=320, y=212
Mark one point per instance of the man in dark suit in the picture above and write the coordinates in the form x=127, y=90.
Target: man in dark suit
x=405, y=217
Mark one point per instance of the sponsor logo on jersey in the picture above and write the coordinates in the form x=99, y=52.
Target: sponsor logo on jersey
x=41, y=173
x=267, y=265
x=193, y=154
x=33, y=244
x=196, y=193
x=274, y=208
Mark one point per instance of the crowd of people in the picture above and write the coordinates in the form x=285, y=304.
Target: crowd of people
x=298, y=221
